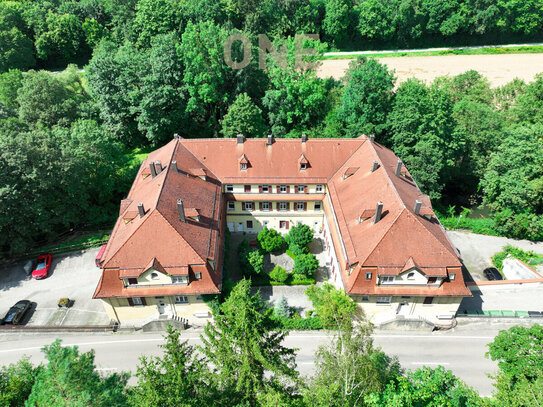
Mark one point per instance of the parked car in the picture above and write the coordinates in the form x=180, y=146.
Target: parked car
x=492, y=274
x=16, y=313
x=42, y=267
x=535, y=314
x=98, y=259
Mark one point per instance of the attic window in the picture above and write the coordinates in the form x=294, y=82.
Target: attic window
x=304, y=163
x=198, y=275
x=411, y=276
x=243, y=166
x=349, y=171
x=243, y=162
x=154, y=276
x=303, y=166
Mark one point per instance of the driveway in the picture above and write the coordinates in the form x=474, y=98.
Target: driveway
x=72, y=275
x=476, y=250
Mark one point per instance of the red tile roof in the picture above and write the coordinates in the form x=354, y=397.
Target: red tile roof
x=398, y=239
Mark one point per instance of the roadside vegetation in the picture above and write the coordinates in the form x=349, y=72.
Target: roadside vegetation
x=528, y=257
x=242, y=361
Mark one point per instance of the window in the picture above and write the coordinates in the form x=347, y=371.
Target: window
x=198, y=275
x=247, y=188
x=154, y=276
x=319, y=188
x=229, y=188
x=199, y=298
x=265, y=223
x=411, y=276
x=265, y=188
x=303, y=166
x=384, y=300
x=181, y=299
x=387, y=279
x=300, y=189
x=283, y=189
x=160, y=297
x=406, y=297
x=249, y=224
x=137, y=301
x=231, y=205
x=248, y=206
x=432, y=280
x=452, y=276
x=300, y=206
x=428, y=300
x=180, y=280
x=283, y=206
x=265, y=206
x=243, y=166
x=318, y=206
x=368, y=275
x=132, y=281
x=283, y=224
x=365, y=298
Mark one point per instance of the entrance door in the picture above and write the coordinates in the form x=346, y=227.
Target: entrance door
x=240, y=226
x=161, y=305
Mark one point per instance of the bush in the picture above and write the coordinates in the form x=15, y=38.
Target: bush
x=281, y=309
x=301, y=324
x=256, y=262
x=270, y=240
x=279, y=274
x=306, y=264
x=296, y=250
x=525, y=256
x=300, y=235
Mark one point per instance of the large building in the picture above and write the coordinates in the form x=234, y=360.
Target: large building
x=383, y=243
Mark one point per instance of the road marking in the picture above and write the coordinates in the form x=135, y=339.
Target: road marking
x=430, y=363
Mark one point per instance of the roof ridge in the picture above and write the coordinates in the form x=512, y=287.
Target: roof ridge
x=167, y=171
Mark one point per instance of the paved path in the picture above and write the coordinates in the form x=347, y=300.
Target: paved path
x=461, y=350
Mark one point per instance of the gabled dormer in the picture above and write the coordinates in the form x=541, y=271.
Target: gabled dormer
x=243, y=162
x=303, y=162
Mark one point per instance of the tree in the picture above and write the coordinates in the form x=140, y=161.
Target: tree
x=16, y=381
x=300, y=235
x=281, y=308
x=520, y=361
x=270, y=240
x=243, y=117
x=367, y=98
x=426, y=387
x=63, y=39
x=338, y=21
x=178, y=378
x=15, y=47
x=335, y=308
x=279, y=274
x=256, y=261
x=44, y=100
x=248, y=359
x=10, y=82
x=155, y=17
x=306, y=264
x=528, y=106
x=70, y=379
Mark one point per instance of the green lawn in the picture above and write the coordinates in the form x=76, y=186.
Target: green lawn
x=532, y=49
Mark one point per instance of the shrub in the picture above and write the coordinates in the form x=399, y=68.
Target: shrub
x=270, y=240
x=300, y=235
x=296, y=250
x=515, y=252
x=279, y=274
x=256, y=262
x=281, y=309
x=306, y=264
x=302, y=324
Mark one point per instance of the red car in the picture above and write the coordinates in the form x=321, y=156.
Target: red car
x=42, y=267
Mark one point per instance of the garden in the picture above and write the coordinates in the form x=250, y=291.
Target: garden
x=278, y=260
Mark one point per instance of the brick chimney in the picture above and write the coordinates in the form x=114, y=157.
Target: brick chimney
x=372, y=137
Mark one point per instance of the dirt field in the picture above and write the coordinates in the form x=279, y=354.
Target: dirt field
x=499, y=69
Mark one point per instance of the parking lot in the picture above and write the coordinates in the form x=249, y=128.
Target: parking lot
x=72, y=275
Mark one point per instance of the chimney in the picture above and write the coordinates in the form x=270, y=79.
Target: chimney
x=174, y=166
x=240, y=139
x=375, y=166
x=378, y=212
x=372, y=137
x=152, y=168
x=176, y=136
x=398, y=168
x=158, y=167
x=181, y=210
x=141, y=210
x=304, y=138
x=270, y=140
x=416, y=209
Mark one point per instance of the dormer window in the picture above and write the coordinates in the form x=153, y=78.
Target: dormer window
x=154, y=276
x=387, y=279
x=243, y=166
x=180, y=280
x=132, y=281
x=243, y=162
x=303, y=166
x=411, y=276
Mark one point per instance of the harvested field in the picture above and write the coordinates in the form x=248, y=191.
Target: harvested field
x=499, y=69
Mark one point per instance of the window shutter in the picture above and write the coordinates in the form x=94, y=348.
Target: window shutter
x=130, y=302
x=288, y=207
x=286, y=224
x=243, y=206
x=277, y=206
x=305, y=206
x=260, y=205
x=143, y=301
x=260, y=189
x=278, y=188
x=305, y=189
x=288, y=189
x=269, y=189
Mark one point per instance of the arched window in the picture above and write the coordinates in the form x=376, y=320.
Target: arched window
x=154, y=276
x=411, y=276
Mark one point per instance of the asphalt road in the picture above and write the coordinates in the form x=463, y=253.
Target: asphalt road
x=461, y=351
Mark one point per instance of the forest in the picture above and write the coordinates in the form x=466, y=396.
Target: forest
x=242, y=361
x=70, y=140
